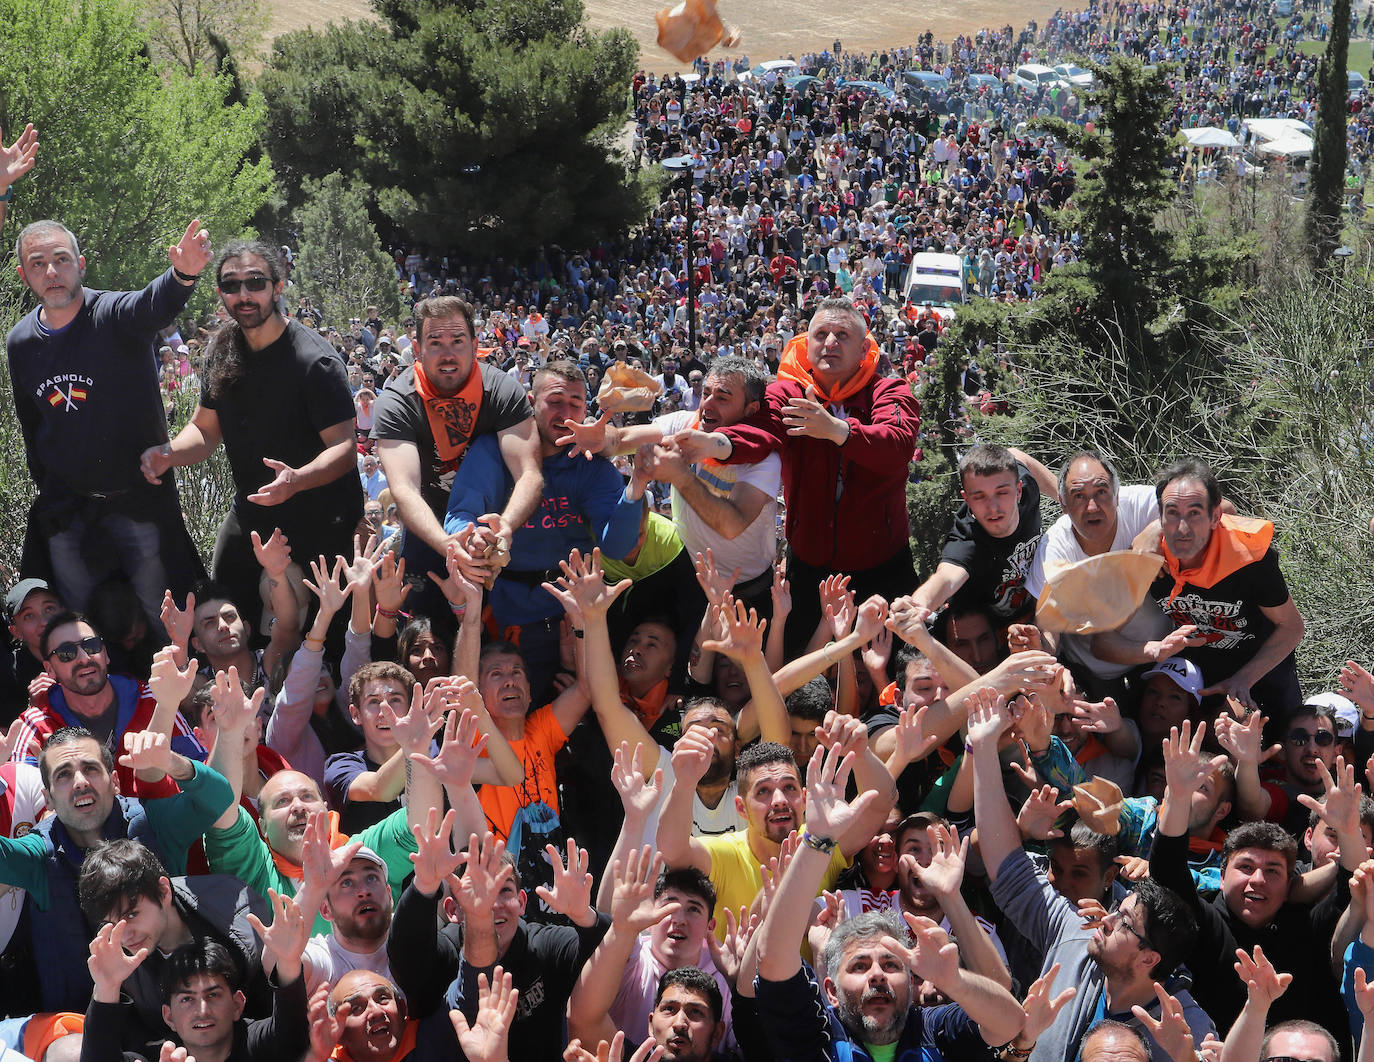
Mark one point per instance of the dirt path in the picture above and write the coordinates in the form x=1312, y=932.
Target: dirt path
x=771, y=28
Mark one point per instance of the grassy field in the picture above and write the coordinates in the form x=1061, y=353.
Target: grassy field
x=1359, y=59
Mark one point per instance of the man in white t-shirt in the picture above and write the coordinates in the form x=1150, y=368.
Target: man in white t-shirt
x=728, y=509
x=358, y=906
x=1100, y=516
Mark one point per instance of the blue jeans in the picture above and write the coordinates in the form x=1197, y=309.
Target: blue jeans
x=94, y=547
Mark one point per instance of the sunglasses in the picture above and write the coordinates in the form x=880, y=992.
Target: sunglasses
x=68, y=651
x=1299, y=738
x=233, y=287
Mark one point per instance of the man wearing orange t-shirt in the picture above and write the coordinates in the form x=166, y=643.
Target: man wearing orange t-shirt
x=846, y=438
x=526, y=816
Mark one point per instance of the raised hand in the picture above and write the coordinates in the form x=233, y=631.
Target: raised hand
x=285, y=939
x=772, y=874
x=459, y=751
x=389, y=584
x=1339, y=806
x=715, y=584
x=274, y=555
x=638, y=796
x=935, y=958
x=233, y=711
x=613, y=1051
x=357, y=573
x=486, y=871
x=1092, y=911
x=878, y=651
x=692, y=755
x=844, y=732
x=1023, y=636
x=170, y=684
x=9, y=738
x=1039, y=813
x=1186, y=766
x=914, y=742
x=1040, y=1009
x=988, y=718
x=838, y=605
x=434, y=858
x=945, y=874
x=1265, y=984
x=571, y=894
x=170, y=1052
x=331, y=587
x=869, y=620
x=1244, y=738
x=109, y=964
x=908, y=620
x=459, y=591
x=828, y=814
x=178, y=622
x=1101, y=717
x=743, y=631
x=415, y=730
x=585, y=440
x=1358, y=684
x=1036, y=724
x=192, y=252
x=1364, y=994
x=487, y=1040
x=325, y=1028
x=633, y=906
x=728, y=954
x=1170, y=1031
x=148, y=750
x=17, y=159
x=582, y=588
x=321, y=864
x=818, y=932
x=781, y=592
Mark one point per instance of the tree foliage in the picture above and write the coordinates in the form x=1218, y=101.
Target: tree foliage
x=1326, y=182
x=479, y=124
x=128, y=157
x=342, y=266
x=184, y=32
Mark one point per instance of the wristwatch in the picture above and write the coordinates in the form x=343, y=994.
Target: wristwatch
x=824, y=845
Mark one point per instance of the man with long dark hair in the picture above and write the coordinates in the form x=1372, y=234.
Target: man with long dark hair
x=277, y=395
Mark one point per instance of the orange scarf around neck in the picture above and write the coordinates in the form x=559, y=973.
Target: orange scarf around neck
x=1236, y=542
x=796, y=365
x=408, y=1039
x=649, y=707
x=452, y=418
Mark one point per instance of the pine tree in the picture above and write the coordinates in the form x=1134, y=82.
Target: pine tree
x=1325, y=185
x=342, y=266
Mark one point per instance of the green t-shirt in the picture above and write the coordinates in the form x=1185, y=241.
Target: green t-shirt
x=881, y=1052
x=661, y=545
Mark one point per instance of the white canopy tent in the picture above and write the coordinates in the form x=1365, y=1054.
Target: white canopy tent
x=1209, y=136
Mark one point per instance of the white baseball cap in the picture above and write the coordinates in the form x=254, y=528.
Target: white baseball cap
x=1184, y=673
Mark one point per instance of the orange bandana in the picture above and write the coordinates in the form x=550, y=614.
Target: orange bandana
x=649, y=707
x=796, y=365
x=293, y=871
x=451, y=418
x=1236, y=542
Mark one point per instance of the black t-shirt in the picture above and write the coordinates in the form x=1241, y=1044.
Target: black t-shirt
x=400, y=415
x=997, y=566
x=1228, y=614
x=290, y=391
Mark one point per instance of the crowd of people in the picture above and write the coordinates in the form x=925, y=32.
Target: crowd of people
x=535, y=707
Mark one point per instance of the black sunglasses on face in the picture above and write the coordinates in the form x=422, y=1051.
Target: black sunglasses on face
x=67, y=651
x=1300, y=737
x=233, y=287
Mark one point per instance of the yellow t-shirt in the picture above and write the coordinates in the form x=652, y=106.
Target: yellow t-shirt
x=738, y=876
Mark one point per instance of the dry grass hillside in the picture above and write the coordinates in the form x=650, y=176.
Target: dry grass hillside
x=771, y=28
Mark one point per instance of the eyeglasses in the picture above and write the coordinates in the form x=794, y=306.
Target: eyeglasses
x=1287, y=1058
x=1299, y=737
x=1117, y=916
x=233, y=287
x=68, y=651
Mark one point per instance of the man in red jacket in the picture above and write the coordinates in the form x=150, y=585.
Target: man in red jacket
x=846, y=438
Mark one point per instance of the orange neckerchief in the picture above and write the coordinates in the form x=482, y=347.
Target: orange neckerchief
x=650, y=706
x=407, y=1044
x=1236, y=542
x=292, y=870
x=451, y=419
x=1092, y=748
x=1207, y=845
x=888, y=699
x=796, y=365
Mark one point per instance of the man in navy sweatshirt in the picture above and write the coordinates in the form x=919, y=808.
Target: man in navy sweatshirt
x=85, y=372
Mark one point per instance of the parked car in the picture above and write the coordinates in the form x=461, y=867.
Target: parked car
x=1033, y=76
x=1074, y=75
x=783, y=68
x=979, y=82
x=1354, y=81
x=918, y=83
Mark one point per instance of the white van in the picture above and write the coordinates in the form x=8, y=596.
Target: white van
x=1033, y=76
x=937, y=281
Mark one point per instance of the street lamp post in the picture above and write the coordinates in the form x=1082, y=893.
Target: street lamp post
x=682, y=166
